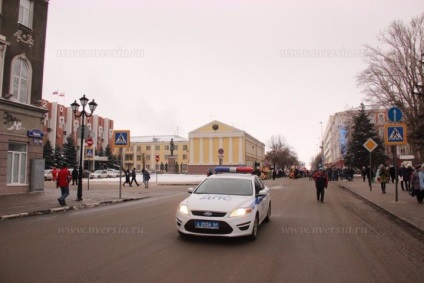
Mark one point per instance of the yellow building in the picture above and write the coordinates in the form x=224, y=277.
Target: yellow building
x=217, y=144
x=143, y=151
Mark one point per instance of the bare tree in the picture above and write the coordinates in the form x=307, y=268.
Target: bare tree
x=395, y=73
x=280, y=155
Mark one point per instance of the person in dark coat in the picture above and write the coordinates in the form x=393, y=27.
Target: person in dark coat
x=392, y=172
x=133, y=177
x=407, y=177
x=127, y=178
x=75, y=176
x=321, y=182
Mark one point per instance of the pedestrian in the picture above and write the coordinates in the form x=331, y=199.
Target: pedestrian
x=370, y=175
x=146, y=178
x=383, y=177
x=364, y=172
x=407, y=177
x=127, y=178
x=274, y=173
x=392, y=172
x=133, y=177
x=321, y=182
x=401, y=172
x=75, y=176
x=54, y=174
x=63, y=180
x=417, y=183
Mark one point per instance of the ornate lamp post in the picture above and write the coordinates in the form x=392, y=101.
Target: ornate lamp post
x=75, y=106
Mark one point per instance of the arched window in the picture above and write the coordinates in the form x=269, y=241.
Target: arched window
x=21, y=79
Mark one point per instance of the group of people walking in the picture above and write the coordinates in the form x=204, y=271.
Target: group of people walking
x=133, y=176
x=63, y=178
x=411, y=179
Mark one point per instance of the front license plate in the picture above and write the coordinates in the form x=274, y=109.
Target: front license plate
x=206, y=224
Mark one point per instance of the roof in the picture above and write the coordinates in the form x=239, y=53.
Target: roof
x=163, y=138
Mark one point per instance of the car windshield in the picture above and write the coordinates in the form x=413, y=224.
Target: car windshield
x=238, y=187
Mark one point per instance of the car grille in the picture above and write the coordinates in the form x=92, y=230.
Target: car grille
x=208, y=213
x=224, y=228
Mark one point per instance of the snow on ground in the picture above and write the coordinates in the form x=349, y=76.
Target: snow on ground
x=162, y=178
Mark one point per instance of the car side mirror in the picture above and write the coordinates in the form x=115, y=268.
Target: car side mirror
x=190, y=190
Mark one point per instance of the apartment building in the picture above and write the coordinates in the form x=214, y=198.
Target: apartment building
x=22, y=43
x=335, y=138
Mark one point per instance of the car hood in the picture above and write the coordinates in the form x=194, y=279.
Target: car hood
x=224, y=203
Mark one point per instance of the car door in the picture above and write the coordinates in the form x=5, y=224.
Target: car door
x=261, y=201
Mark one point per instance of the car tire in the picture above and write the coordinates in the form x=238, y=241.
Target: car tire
x=255, y=227
x=268, y=214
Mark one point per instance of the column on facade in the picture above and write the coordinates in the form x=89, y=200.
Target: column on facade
x=240, y=153
x=201, y=151
x=191, y=151
x=230, y=150
x=210, y=150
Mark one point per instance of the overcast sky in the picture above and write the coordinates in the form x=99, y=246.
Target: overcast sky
x=169, y=67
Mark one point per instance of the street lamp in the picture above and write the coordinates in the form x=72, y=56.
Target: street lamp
x=75, y=106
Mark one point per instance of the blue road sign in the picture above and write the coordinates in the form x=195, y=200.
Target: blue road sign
x=395, y=134
x=121, y=138
x=394, y=114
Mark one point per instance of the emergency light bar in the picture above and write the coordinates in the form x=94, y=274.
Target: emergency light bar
x=224, y=169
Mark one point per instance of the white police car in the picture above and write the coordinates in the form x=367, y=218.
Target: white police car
x=225, y=205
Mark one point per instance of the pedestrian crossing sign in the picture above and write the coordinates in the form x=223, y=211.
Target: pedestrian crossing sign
x=121, y=138
x=395, y=134
x=89, y=154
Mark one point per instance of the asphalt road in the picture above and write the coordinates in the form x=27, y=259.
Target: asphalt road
x=341, y=240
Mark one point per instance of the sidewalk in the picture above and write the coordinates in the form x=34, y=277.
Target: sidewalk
x=406, y=208
x=29, y=204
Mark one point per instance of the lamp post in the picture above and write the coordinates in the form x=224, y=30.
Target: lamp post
x=75, y=106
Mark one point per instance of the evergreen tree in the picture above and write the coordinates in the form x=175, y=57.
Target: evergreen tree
x=70, y=152
x=112, y=160
x=48, y=155
x=58, y=158
x=362, y=130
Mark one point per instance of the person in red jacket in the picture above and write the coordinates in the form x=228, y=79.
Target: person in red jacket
x=63, y=179
x=321, y=182
x=54, y=174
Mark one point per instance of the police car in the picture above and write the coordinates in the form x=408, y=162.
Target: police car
x=231, y=203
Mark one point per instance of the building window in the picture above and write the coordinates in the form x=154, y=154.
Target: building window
x=25, y=13
x=138, y=148
x=184, y=147
x=184, y=156
x=148, y=147
x=157, y=147
x=176, y=147
x=166, y=147
x=147, y=157
x=381, y=118
x=21, y=79
x=138, y=158
x=16, y=164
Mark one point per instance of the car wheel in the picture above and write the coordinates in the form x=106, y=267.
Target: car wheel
x=268, y=214
x=254, y=234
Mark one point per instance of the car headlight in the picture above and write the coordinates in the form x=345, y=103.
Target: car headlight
x=183, y=209
x=241, y=211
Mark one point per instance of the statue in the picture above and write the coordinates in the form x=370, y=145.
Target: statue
x=172, y=147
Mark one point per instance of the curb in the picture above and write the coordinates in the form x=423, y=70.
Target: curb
x=67, y=208
x=417, y=231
